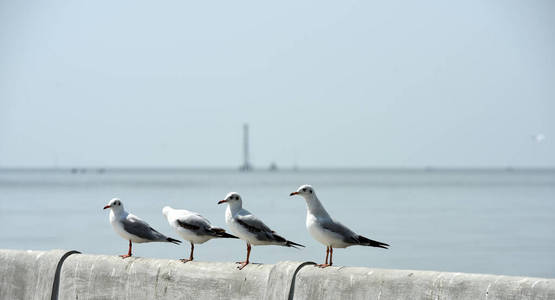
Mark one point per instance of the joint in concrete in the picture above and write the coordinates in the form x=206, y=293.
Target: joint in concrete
x=292, y=287
x=281, y=279
x=30, y=274
x=56, y=283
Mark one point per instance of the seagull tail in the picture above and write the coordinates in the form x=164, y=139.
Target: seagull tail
x=368, y=242
x=227, y=235
x=293, y=244
x=177, y=242
x=282, y=241
x=220, y=232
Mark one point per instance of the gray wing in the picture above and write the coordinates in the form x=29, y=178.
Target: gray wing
x=141, y=229
x=346, y=234
x=259, y=229
x=198, y=225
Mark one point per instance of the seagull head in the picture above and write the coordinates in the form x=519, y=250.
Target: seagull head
x=305, y=191
x=166, y=210
x=115, y=204
x=232, y=199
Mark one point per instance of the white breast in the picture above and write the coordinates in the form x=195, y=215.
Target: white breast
x=316, y=231
x=238, y=229
x=118, y=228
x=322, y=235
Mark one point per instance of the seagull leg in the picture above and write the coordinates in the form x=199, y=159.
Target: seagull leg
x=326, y=263
x=191, y=255
x=244, y=263
x=128, y=252
x=331, y=255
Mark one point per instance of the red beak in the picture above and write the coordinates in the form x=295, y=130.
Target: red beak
x=294, y=193
x=222, y=201
x=107, y=206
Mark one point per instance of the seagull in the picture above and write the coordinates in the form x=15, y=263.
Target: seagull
x=327, y=230
x=249, y=228
x=193, y=227
x=132, y=228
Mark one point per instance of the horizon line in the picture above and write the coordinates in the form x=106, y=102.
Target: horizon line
x=100, y=169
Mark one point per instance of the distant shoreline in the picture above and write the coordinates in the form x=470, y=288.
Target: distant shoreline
x=264, y=170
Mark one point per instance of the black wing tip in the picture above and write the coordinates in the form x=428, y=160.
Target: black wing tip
x=382, y=245
x=368, y=242
x=293, y=244
x=220, y=232
x=227, y=235
x=278, y=238
x=174, y=241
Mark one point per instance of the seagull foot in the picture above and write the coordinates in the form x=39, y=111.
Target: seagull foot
x=184, y=260
x=243, y=264
x=125, y=256
x=323, y=265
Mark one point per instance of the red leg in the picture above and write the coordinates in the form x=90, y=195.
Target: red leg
x=190, y=255
x=128, y=252
x=326, y=263
x=244, y=263
x=331, y=255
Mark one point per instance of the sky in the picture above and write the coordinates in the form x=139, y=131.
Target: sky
x=321, y=83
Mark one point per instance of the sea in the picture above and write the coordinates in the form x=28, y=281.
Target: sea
x=499, y=221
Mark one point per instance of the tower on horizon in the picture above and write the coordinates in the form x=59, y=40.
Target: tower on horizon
x=246, y=166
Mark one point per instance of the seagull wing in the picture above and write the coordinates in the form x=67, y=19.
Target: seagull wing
x=201, y=226
x=347, y=235
x=259, y=229
x=195, y=223
x=140, y=228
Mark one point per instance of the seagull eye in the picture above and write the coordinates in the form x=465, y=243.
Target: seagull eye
x=310, y=191
x=304, y=190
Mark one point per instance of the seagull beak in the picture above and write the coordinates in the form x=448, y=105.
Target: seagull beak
x=222, y=201
x=107, y=206
x=294, y=193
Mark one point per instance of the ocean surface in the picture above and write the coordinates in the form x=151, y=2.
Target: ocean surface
x=478, y=221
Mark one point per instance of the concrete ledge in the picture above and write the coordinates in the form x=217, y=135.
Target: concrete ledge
x=32, y=274
x=29, y=274
x=110, y=277
x=364, y=283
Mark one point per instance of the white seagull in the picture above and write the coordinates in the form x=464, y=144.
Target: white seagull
x=249, y=228
x=193, y=227
x=132, y=228
x=327, y=230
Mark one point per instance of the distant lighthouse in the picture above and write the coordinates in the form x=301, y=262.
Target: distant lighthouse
x=246, y=166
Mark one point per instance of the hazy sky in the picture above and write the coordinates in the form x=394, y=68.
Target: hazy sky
x=322, y=83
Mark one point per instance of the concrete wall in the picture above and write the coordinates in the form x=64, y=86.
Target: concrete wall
x=35, y=275
x=30, y=274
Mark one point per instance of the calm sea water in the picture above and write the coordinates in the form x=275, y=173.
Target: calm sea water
x=500, y=222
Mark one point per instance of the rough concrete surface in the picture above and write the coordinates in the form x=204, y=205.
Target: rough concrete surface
x=28, y=274
x=111, y=277
x=365, y=283
x=32, y=275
